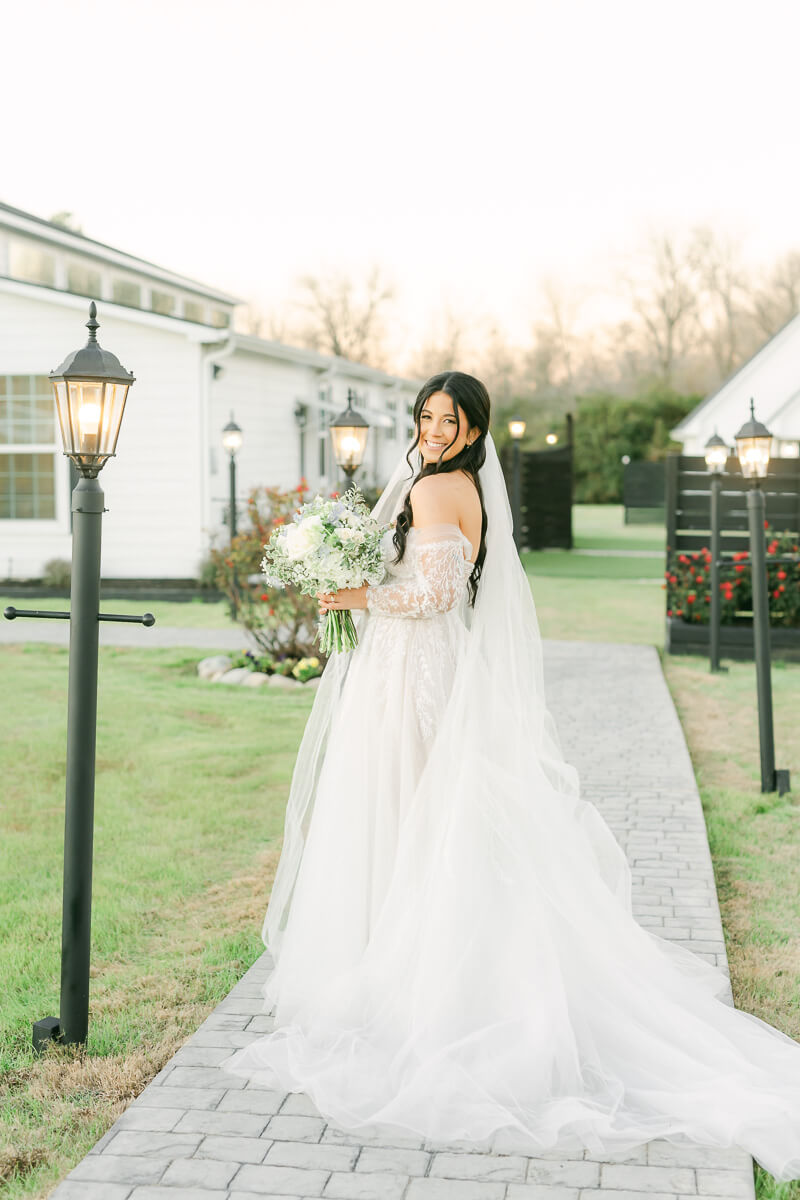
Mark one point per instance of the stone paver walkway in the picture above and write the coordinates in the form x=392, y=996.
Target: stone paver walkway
x=196, y=1133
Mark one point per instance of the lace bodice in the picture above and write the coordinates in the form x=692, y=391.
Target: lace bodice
x=430, y=578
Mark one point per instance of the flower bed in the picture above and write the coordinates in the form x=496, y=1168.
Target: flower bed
x=688, y=586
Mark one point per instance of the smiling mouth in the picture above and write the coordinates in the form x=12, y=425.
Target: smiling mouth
x=435, y=445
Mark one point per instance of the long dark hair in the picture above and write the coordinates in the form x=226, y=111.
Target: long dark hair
x=470, y=394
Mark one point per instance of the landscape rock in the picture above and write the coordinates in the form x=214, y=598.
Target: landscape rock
x=237, y=675
x=255, y=679
x=282, y=681
x=216, y=665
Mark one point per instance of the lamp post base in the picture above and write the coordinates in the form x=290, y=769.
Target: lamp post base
x=44, y=1031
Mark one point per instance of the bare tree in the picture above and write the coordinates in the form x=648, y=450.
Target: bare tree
x=340, y=321
x=664, y=297
x=777, y=300
x=442, y=349
x=722, y=316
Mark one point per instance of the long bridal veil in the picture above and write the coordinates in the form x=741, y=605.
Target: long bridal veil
x=505, y=983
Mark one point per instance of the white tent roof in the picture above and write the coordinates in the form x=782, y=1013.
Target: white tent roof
x=771, y=377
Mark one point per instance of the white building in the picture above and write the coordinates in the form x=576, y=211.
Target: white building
x=772, y=378
x=167, y=489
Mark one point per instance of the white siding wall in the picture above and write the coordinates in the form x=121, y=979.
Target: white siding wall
x=166, y=489
x=152, y=487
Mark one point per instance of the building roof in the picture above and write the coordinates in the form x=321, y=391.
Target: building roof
x=771, y=376
x=24, y=222
x=333, y=363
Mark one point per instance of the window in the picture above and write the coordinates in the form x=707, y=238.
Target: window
x=27, y=486
x=27, y=475
x=410, y=431
x=193, y=310
x=83, y=280
x=220, y=318
x=28, y=262
x=125, y=291
x=162, y=302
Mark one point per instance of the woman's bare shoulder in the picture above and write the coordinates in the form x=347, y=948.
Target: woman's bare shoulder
x=449, y=496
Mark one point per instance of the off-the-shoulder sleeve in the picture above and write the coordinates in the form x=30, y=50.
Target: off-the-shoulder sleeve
x=436, y=585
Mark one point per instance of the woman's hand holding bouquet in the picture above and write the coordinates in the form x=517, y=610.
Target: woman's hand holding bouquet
x=331, y=546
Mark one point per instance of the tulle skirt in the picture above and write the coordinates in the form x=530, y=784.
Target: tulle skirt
x=454, y=967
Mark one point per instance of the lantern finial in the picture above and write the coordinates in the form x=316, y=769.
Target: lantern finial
x=92, y=324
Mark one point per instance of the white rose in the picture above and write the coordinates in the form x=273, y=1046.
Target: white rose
x=302, y=538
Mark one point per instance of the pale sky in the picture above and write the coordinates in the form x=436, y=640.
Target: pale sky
x=471, y=149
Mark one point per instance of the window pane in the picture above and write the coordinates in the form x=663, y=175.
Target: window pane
x=83, y=280
x=124, y=291
x=193, y=310
x=28, y=262
x=27, y=486
x=220, y=318
x=162, y=302
x=27, y=411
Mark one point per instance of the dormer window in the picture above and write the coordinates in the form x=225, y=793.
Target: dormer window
x=162, y=302
x=83, y=280
x=28, y=262
x=125, y=291
x=193, y=310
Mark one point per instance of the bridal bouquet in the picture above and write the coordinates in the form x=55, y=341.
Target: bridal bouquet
x=330, y=544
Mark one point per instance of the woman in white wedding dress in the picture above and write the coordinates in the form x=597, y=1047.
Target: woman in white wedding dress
x=455, y=951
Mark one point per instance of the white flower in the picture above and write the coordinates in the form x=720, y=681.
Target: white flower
x=303, y=537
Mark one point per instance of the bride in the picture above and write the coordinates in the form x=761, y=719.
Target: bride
x=451, y=923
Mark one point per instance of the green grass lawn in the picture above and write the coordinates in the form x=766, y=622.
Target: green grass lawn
x=602, y=527
x=190, y=796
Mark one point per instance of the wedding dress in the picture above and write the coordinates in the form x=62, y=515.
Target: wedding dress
x=451, y=923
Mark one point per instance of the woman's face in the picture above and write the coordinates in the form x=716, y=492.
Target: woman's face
x=437, y=428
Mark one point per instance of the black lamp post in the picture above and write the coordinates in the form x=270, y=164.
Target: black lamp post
x=516, y=427
x=716, y=453
x=753, y=448
x=349, y=432
x=232, y=441
x=90, y=389
x=301, y=419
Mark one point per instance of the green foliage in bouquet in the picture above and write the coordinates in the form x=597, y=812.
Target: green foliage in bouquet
x=281, y=620
x=688, y=583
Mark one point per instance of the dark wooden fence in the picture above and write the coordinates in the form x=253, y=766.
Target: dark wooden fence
x=643, y=491
x=688, y=502
x=547, y=490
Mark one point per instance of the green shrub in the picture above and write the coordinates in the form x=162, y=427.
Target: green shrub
x=57, y=573
x=282, y=621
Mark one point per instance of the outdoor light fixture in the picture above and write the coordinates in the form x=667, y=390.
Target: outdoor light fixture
x=551, y=439
x=349, y=432
x=232, y=437
x=90, y=390
x=753, y=446
x=91, y=387
x=753, y=442
x=716, y=454
x=516, y=427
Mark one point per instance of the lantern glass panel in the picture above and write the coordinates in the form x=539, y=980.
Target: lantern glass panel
x=349, y=443
x=232, y=440
x=516, y=428
x=716, y=457
x=753, y=456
